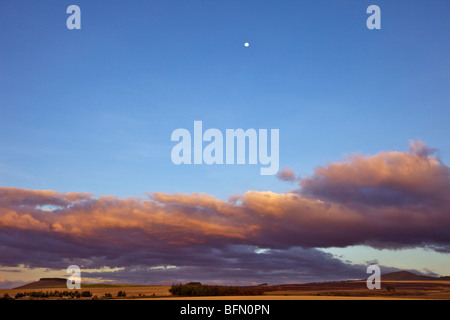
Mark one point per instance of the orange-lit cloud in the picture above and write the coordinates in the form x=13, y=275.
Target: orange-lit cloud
x=389, y=200
x=388, y=178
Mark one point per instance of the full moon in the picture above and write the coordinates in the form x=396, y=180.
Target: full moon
x=246, y=44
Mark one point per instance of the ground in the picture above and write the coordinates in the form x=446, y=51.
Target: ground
x=318, y=291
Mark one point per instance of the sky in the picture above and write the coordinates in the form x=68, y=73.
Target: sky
x=86, y=117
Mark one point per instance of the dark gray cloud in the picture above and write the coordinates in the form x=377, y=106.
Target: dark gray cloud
x=243, y=265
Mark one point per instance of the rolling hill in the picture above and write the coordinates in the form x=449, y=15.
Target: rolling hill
x=45, y=283
x=393, y=276
x=408, y=276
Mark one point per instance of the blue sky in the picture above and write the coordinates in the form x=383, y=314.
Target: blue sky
x=92, y=110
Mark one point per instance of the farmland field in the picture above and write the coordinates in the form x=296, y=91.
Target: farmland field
x=343, y=290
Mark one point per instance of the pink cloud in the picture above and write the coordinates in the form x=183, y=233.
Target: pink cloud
x=388, y=200
x=410, y=178
x=286, y=174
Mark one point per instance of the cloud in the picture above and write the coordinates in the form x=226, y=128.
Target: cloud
x=388, y=200
x=415, y=178
x=286, y=174
x=6, y=284
x=236, y=265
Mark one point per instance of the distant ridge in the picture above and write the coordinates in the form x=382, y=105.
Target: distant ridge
x=393, y=276
x=45, y=283
x=52, y=279
x=408, y=276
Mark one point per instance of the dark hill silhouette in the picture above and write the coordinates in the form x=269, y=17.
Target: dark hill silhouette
x=45, y=283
